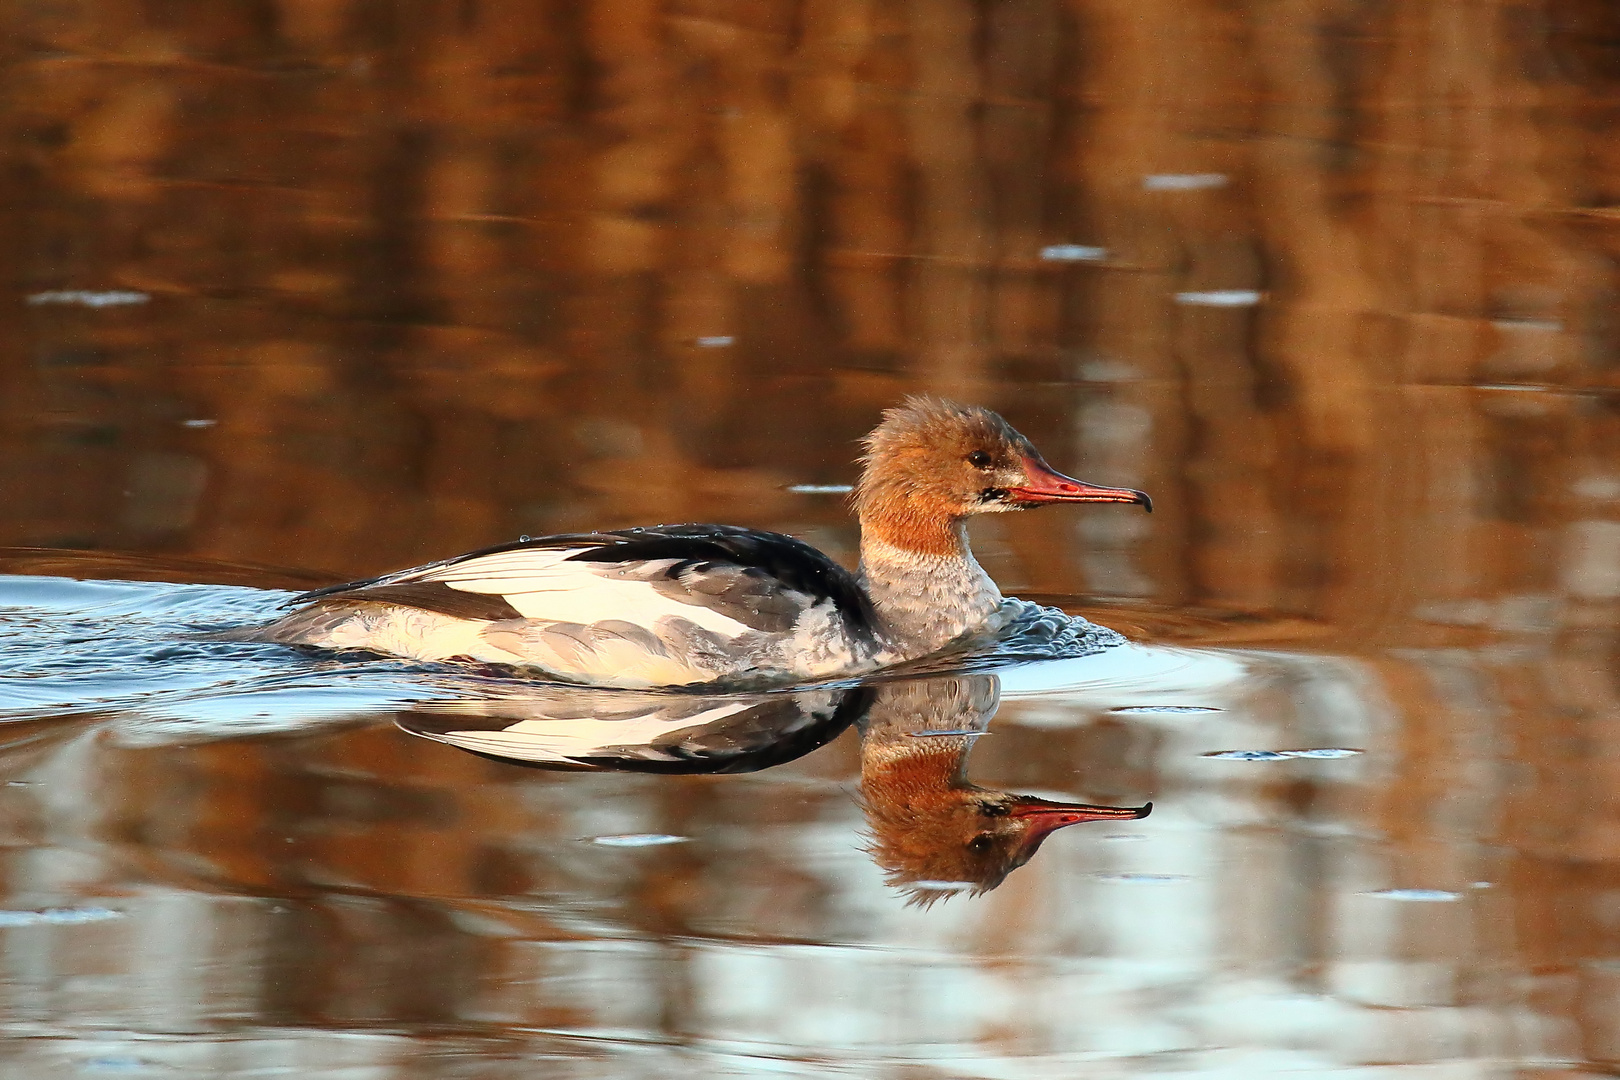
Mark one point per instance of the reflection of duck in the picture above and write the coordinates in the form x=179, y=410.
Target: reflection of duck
x=684, y=604
x=563, y=727
x=933, y=831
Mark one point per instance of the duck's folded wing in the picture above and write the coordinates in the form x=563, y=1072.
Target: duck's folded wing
x=725, y=580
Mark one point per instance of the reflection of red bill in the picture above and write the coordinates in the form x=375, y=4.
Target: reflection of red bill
x=1045, y=817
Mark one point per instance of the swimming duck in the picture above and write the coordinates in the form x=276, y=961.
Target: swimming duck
x=678, y=605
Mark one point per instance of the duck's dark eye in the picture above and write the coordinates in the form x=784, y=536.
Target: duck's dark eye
x=993, y=810
x=979, y=459
x=979, y=844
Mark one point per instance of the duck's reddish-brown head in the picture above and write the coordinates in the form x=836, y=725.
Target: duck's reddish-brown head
x=937, y=461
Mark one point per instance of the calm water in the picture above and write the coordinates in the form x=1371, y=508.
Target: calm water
x=302, y=291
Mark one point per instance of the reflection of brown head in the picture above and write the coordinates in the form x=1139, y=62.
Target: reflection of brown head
x=932, y=831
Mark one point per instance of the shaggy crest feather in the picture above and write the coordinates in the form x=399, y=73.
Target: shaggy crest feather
x=916, y=486
x=918, y=431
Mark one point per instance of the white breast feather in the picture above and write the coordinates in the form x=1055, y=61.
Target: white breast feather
x=610, y=659
x=428, y=635
x=542, y=584
x=401, y=631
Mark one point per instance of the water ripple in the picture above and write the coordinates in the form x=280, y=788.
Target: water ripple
x=1317, y=753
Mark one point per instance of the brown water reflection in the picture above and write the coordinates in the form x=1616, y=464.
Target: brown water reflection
x=346, y=287
x=346, y=896
x=417, y=279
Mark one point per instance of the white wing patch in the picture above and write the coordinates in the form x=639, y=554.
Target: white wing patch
x=565, y=740
x=541, y=584
x=622, y=623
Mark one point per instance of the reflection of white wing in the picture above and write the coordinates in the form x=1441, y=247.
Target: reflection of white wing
x=540, y=583
x=568, y=740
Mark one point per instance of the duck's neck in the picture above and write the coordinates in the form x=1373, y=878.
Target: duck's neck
x=924, y=582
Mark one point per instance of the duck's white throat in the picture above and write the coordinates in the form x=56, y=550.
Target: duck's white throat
x=924, y=600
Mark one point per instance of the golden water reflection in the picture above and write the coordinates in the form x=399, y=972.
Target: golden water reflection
x=345, y=287
x=397, y=286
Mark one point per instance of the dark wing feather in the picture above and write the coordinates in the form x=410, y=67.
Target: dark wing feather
x=744, y=593
x=778, y=729
x=544, y=542
x=439, y=597
x=774, y=557
x=741, y=571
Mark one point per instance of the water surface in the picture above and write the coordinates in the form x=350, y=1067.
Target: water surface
x=342, y=288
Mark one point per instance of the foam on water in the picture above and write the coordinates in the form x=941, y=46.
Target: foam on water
x=135, y=648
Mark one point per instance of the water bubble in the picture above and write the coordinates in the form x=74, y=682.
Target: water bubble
x=88, y=298
x=820, y=489
x=1072, y=253
x=1220, y=298
x=1422, y=896
x=1183, y=181
x=57, y=916
x=1546, y=326
x=637, y=839
x=1315, y=752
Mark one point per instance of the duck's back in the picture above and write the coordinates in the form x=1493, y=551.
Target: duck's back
x=661, y=606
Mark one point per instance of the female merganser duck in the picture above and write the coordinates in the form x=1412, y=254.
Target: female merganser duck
x=676, y=605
